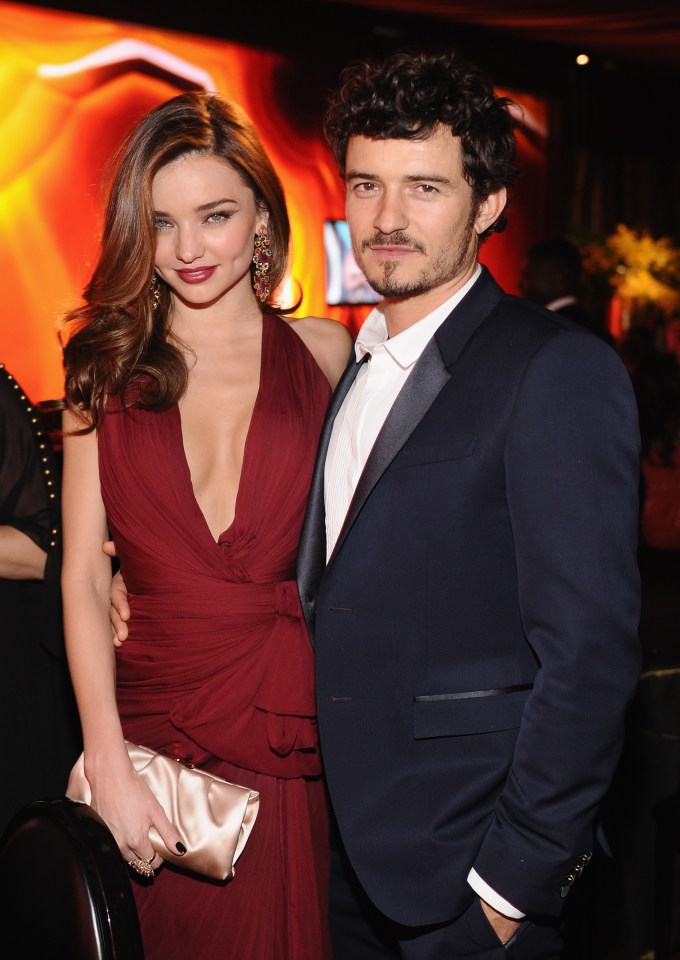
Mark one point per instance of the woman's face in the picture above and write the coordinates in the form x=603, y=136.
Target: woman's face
x=206, y=220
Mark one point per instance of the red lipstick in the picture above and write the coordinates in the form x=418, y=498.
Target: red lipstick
x=196, y=274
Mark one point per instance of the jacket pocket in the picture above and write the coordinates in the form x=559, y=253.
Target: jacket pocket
x=414, y=455
x=470, y=712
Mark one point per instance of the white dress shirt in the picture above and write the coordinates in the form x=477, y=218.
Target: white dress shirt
x=358, y=423
x=369, y=400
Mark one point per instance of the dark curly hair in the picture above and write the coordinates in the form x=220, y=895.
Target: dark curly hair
x=409, y=95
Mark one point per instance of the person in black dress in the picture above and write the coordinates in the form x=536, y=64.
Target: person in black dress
x=36, y=701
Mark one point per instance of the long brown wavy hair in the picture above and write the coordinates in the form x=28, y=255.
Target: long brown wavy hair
x=116, y=337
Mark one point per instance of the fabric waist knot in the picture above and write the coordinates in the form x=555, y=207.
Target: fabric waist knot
x=255, y=707
x=287, y=599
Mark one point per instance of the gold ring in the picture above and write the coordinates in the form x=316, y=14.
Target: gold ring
x=142, y=867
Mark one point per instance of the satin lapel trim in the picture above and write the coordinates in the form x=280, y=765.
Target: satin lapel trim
x=311, y=561
x=416, y=397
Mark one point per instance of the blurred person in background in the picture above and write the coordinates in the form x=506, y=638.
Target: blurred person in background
x=36, y=699
x=552, y=275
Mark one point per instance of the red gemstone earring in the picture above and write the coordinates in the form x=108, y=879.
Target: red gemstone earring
x=155, y=290
x=261, y=255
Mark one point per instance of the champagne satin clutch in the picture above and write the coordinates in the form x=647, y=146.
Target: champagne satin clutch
x=213, y=817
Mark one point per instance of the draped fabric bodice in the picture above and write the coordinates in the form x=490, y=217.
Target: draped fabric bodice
x=217, y=662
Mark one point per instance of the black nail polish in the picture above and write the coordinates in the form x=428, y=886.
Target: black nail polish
x=181, y=848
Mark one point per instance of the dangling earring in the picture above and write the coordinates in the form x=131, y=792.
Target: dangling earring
x=155, y=289
x=261, y=284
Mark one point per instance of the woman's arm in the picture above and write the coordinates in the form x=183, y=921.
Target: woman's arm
x=29, y=486
x=118, y=794
x=20, y=557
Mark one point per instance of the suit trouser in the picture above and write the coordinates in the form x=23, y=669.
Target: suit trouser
x=360, y=932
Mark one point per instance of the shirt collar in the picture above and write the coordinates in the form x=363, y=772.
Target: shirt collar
x=557, y=305
x=407, y=346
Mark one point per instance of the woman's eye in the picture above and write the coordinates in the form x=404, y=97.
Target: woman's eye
x=161, y=224
x=219, y=216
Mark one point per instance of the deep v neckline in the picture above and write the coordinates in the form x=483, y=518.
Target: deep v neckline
x=184, y=460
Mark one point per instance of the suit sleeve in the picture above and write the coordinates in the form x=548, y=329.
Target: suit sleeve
x=572, y=473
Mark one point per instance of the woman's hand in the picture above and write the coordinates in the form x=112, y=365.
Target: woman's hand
x=130, y=810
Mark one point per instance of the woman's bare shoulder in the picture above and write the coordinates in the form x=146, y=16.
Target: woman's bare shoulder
x=329, y=342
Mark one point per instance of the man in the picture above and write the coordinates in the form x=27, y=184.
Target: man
x=467, y=566
x=552, y=276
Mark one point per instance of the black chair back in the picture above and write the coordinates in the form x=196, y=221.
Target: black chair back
x=65, y=886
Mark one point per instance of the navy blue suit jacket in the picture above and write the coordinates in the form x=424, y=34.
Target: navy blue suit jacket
x=476, y=627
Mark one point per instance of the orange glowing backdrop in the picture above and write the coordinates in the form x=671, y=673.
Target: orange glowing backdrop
x=71, y=86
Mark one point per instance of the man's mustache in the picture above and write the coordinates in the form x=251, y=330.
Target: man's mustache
x=397, y=239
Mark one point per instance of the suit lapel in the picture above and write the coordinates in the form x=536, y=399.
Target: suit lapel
x=414, y=400
x=428, y=377
x=311, y=558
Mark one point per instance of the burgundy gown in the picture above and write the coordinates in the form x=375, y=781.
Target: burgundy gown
x=218, y=668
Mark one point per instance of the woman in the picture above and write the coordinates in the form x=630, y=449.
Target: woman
x=194, y=411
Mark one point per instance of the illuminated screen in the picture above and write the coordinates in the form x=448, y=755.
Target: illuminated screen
x=70, y=88
x=345, y=283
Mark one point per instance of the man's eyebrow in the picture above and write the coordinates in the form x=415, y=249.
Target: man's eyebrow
x=409, y=178
x=360, y=175
x=430, y=177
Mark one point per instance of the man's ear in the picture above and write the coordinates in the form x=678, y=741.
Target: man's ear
x=490, y=209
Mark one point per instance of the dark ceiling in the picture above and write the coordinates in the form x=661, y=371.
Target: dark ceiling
x=627, y=33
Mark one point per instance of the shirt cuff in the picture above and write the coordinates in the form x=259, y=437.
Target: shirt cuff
x=492, y=898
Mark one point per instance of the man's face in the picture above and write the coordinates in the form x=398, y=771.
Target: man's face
x=411, y=214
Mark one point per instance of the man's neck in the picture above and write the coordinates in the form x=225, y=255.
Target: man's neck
x=403, y=312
